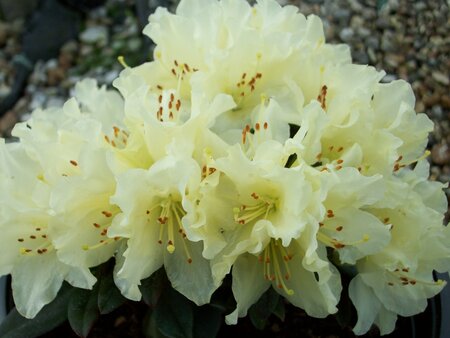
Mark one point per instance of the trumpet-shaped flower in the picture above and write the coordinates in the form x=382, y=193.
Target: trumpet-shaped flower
x=27, y=251
x=153, y=204
x=399, y=278
x=266, y=230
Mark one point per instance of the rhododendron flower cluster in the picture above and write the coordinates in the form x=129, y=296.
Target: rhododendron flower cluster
x=249, y=147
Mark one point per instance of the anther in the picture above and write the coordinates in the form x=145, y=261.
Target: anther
x=74, y=163
x=106, y=213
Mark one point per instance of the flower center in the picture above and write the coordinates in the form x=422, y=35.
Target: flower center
x=36, y=243
x=169, y=109
x=327, y=235
x=401, y=277
x=262, y=207
x=276, y=260
x=247, y=84
x=169, y=219
x=101, y=228
x=118, y=139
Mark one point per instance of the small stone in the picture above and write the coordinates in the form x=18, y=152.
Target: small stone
x=373, y=42
x=110, y=76
x=360, y=57
x=55, y=75
x=388, y=42
x=134, y=44
x=95, y=34
x=441, y=78
x=372, y=56
x=420, y=107
x=342, y=14
x=38, y=100
x=4, y=90
x=431, y=100
x=55, y=102
x=383, y=22
x=445, y=101
x=6, y=122
x=393, y=60
x=346, y=34
x=389, y=78
x=437, y=112
x=363, y=32
x=440, y=154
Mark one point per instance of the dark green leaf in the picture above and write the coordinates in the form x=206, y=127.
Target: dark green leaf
x=263, y=308
x=152, y=287
x=280, y=309
x=83, y=310
x=109, y=297
x=174, y=315
x=50, y=317
x=150, y=327
x=223, y=299
x=207, y=321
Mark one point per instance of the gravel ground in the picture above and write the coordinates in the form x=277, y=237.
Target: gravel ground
x=408, y=39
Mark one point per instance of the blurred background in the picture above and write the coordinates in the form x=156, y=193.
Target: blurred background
x=46, y=46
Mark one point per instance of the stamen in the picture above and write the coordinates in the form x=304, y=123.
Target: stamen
x=170, y=219
x=274, y=253
x=322, y=97
x=246, y=213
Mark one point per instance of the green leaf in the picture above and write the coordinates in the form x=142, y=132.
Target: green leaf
x=174, y=315
x=280, y=309
x=263, y=308
x=109, y=296
x=50, y=317
x=207, y=321
x=152, y=287
x=83, y=310
x=150, y=327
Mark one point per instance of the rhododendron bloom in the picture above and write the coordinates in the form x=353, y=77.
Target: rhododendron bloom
x=247, y=146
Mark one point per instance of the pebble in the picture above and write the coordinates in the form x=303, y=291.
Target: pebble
x=346, y=34
x=441, y=78
x=440, y=154
x=95, y=34
x=389, y=78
